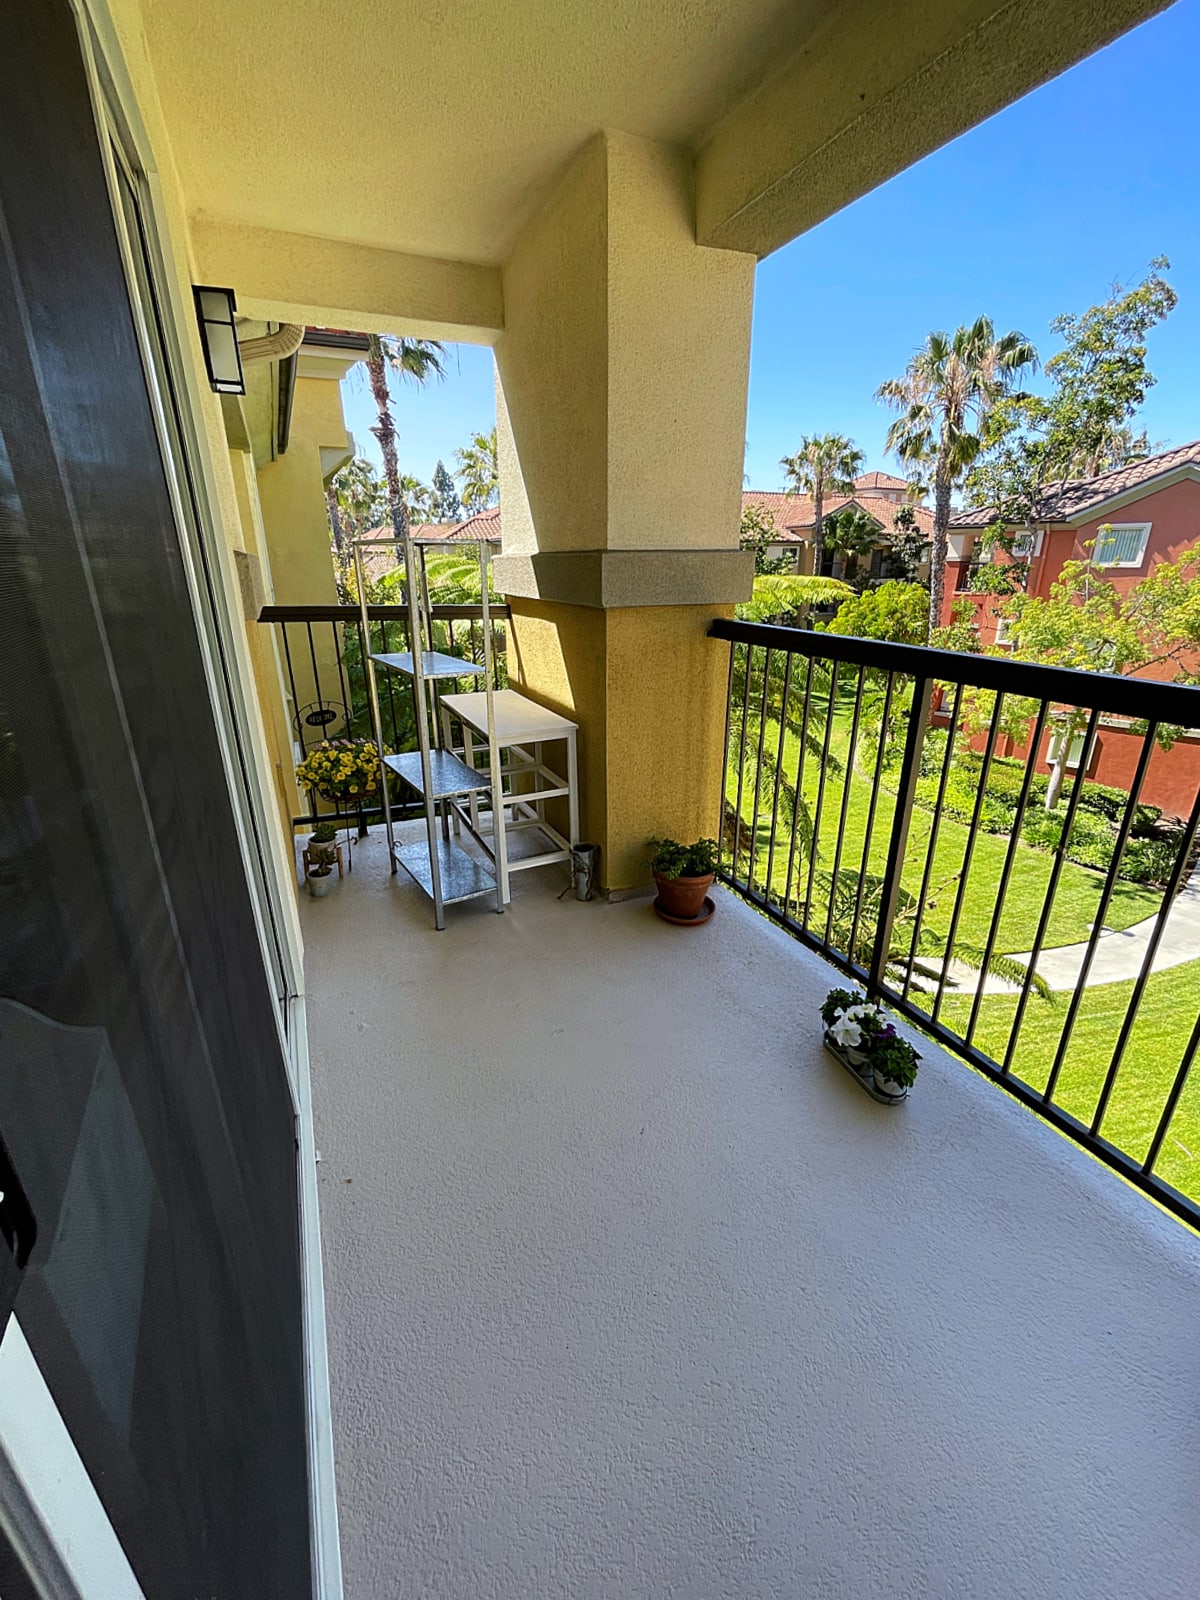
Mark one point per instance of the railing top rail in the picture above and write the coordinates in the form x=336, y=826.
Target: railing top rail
x=470, y=613
x=1139, y=698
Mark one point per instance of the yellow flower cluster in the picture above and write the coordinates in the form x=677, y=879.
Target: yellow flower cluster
x=341, y=768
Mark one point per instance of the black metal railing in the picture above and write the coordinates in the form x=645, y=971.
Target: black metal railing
x=322, y=654
x=930, y=823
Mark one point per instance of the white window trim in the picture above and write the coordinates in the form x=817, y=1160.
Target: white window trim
x=1035, y=548
x=1124, y=527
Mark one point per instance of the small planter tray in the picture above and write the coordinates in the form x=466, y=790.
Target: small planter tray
x=863, y=1076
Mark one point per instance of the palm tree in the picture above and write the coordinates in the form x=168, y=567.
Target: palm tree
x=417, y=360
x=356, y=498
x=826, y=463
x=479, y=472
x=944, y=397
x=855, y=533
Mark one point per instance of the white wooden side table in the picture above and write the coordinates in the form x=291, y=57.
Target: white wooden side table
x=522, y=729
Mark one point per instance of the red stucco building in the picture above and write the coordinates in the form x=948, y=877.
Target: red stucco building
x=1150, y=511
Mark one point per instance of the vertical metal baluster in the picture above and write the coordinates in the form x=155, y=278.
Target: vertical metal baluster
x=1060, y=856
x=337, y=656
x=969, y=853
x=877, y=781
x=388, y=678
x=799, y=785
x=758, y=765
x=906, y=794
x=725, y=765
x=1110, y=881
x=363, y=652
x=847, y=782
x=312, y=656
x=783, y=707
x=1010, y=856
x=1174, y=883
x=297, y=719
x=816, y=839
x=737, y=817
x=1172, y=1100
x=935, y=825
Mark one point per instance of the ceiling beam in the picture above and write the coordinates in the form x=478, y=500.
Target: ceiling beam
x=294, y=277
x=875, y=88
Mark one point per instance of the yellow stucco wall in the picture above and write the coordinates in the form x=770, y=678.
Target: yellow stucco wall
x=647, y=688
x=292, y=493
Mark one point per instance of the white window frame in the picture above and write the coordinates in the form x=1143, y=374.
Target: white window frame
x=1028, y=546
x=1118, y=528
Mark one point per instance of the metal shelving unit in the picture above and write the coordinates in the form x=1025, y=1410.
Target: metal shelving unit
x=437, y=775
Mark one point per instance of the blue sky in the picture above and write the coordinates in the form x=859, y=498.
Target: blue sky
x=1037, y=211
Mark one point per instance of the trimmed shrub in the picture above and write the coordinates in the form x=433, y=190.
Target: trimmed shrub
x=1148, y=860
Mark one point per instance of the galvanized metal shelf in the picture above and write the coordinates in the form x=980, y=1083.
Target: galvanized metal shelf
x=434, y=664
x=449, y=774
x=461, y=876
x=439, y=775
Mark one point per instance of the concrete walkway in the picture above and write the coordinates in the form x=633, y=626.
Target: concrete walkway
x=1119, y=953
x=634, y=1295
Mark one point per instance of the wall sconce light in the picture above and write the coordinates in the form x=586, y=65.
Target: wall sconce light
x=223, y=359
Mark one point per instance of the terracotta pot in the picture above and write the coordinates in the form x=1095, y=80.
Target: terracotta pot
x=683, y=897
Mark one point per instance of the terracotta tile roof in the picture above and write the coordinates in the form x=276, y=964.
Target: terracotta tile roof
x=879, y=480
x=794, y=514
x=1072, y=499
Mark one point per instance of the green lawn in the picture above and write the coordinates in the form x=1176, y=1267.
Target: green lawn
x=1076, y=896
x=1156, y=1047
x=1169, y=1006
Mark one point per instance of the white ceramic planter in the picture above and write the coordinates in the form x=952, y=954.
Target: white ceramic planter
x=319, y=886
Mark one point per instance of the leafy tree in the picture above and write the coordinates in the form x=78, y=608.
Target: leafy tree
x=907, y=545
x=357, y=501
x=825, y=464
x=778, y=596
x=961, y=633
x=416, y=360
x=418, y=498
x=1088, y=623
x=758, y=533
x=1084, y=426
x=944, y=399
x=895, y=611
x=479, y=472
x=855, y=533
x=445, y=506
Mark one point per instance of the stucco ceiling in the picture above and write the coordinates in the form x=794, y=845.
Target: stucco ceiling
x=434, y=127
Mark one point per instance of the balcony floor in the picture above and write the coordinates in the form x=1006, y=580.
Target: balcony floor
x=632, y=1293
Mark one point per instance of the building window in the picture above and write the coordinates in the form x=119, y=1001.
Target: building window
x=1121, y=544
x=1028, y=545
x=1003, y=631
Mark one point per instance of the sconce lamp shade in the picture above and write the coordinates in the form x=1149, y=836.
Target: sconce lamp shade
x=214, y=312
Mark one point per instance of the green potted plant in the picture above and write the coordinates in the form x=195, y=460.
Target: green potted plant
x=322, y=844
x=863, y=1039
x=683, y=874
x=894, y=1064
x=320, y=880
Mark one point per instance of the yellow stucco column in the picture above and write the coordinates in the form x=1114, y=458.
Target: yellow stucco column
x=621, y=415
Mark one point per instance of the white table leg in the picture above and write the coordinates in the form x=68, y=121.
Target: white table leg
x=573, y=787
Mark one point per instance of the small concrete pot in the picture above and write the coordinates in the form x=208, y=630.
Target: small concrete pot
x=319, y=884
x=887, y=1085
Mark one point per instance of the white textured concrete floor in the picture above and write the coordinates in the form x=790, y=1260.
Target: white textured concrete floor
x=633, y=1293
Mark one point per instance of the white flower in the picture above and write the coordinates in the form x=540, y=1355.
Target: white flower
x=845, y=1029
